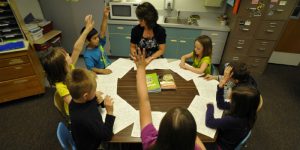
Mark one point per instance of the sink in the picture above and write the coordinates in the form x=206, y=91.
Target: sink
x=184, y=21
x=176, y=20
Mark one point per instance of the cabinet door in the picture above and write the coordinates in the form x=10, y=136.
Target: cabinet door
x=172, y=48
x=280, y=10
x=185, y=46
x=120, y=44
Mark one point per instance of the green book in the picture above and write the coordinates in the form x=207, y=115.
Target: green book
x=153, y=83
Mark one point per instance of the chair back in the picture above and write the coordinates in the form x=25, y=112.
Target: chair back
x=64, y=137
x=243, y=142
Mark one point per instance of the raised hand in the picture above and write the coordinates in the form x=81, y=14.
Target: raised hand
x=139, y=59
x=89, y=22
x=106, y=11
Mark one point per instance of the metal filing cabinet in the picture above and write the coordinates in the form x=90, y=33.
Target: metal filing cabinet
x=255, y=31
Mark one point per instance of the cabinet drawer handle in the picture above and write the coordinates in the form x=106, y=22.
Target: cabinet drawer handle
x=257, y=60
x=215, y=34
x=273, y=23
x=182, y=41
x=254, y=65
x=264, y=43
x=127, y=37
x=120, y=28
x=245, y=29
x=239, y=47
x=269, y=31
x=16, y=61
x=235, y=58
x=261, y=49
x=173, y=41
x=272, y=26
x=18, y=68
x=279, y=10
x=241, y=42
x=20, y=81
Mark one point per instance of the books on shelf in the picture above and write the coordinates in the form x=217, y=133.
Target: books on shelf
x=153, y=83
x=167, y=82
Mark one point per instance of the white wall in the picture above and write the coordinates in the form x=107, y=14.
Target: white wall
x=29, y=6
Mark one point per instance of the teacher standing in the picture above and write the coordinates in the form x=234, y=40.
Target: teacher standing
x=148, y=34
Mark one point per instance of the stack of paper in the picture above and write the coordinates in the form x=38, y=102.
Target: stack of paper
x=124, y=112
x=186, y=74
x=156, y=119
x=197, y=108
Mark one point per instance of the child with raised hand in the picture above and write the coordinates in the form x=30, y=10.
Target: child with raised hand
x=95, y=56
x=178, y=127
x=58, y=63
x=201, y=56
x=233, y=127
x=88, y=128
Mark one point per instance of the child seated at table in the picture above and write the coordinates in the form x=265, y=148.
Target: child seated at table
x=240, y=76
x=87, y=126
x=201, y=56
x=95, y=56
x=177, y=129
x=235, y=126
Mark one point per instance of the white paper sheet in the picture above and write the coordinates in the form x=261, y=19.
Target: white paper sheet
x=156, y=119
x=120, y=67
x=107, y=84
x=160, y=63
x=198, y=109
x=206, y=88
x=124, y=112
x=186, y=74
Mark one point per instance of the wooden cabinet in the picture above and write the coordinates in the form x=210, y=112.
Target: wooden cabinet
x=20, y=70
x=255, y=31
x=20, y=75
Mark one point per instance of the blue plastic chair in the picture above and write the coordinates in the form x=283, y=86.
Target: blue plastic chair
x=64, y=136
x=243, y=142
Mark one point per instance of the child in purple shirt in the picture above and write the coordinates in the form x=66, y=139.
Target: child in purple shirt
x=233, y=127
x=177, y=129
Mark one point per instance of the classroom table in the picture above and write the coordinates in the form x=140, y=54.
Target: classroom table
x=162, y=101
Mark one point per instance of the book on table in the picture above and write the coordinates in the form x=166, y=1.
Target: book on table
x=153, y=83
x=167, y=82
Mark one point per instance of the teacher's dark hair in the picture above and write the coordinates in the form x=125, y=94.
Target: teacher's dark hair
x=147, y=12
x=177, y=130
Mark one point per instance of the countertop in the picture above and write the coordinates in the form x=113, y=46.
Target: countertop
x=206, y=22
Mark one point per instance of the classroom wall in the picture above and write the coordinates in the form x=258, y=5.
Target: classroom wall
x=29, y=6
x=187, y=5
x=68, y=16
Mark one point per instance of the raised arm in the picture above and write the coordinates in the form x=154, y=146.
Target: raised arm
x=78, y=46
x=103, y=26
x=142, y=93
